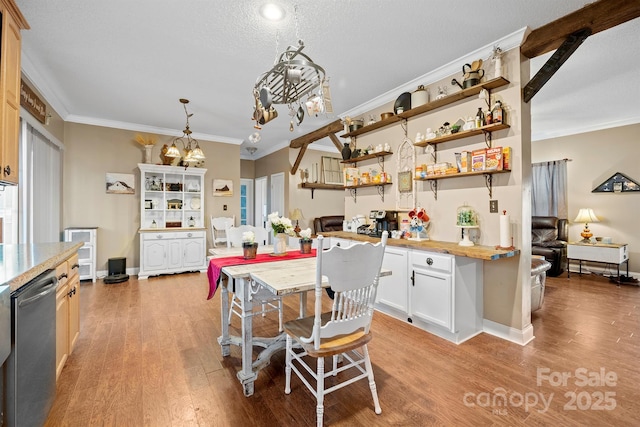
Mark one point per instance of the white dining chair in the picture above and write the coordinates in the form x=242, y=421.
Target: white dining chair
x=342, y=333
x=219, y=227
x=234, y=235
x=267, y=301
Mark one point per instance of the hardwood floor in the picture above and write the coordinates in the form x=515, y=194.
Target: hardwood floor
x=147, y=355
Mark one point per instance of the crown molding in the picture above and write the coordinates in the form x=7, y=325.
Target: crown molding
x=583, y=128
x=506, y=43
x=40, y=83
x=148, y=129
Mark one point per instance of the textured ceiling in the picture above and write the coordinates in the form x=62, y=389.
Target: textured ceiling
x=126, y=63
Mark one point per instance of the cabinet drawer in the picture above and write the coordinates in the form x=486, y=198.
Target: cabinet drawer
x=62, y=273
x=432, y=261
x=174, y=235
x=190, y=235
x=159, y=236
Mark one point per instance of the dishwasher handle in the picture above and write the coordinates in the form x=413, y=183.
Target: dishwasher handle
x=46, y=290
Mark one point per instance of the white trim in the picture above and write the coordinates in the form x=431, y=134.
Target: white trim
x=583, y=128
x=506, y=43
x=27, y=117
x=30, y=70
x=518, y=336
x=149, y=129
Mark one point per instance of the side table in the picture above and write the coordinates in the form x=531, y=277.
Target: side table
x=608, y=253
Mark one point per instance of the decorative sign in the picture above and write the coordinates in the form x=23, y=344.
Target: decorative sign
x=32, y=103
x=617, y=183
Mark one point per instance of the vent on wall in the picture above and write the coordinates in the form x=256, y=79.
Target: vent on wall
x=617, y=183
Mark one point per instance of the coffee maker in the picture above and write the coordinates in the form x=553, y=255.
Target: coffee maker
x=383, y=220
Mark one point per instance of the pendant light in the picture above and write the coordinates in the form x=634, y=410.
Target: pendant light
x=192, y=151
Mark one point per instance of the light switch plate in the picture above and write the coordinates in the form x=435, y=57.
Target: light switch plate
x=493, y=206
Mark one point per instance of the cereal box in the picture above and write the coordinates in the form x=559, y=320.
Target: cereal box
x=351, y=176
x=493, y=161
x=506, y=158
x=465, y=161
x=477, y=160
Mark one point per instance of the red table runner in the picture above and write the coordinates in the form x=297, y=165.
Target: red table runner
x=216, y=265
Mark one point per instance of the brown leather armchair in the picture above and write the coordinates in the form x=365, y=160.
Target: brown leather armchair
x=328, y=223
x=549, y=236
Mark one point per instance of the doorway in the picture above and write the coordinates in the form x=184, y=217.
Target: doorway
x=260, y=207
x=247, y=213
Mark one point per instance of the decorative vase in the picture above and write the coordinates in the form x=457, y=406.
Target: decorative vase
x=305, y=246
x=346, y=151
x=249, y=250
x=280, y=244
x=148, y=150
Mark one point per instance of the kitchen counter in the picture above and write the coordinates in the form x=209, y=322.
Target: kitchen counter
x=23, y=262
x=487, y=253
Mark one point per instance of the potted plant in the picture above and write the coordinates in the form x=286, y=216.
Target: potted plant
x=305, y=241
x=281, y=228
x=249, y=246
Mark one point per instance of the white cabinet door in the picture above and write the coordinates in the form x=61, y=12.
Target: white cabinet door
x=194, y=252
x=174, y=254
x=154, y=255
x=431, y=298
x=431, y=290
x=392, y=290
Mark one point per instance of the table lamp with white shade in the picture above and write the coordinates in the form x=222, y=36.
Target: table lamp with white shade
x=586, y=215
x=296, y=216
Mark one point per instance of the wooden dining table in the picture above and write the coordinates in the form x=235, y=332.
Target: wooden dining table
x=282, y=277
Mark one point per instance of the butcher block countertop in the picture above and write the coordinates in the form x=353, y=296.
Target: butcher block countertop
x=487, y=253
x=21, y=263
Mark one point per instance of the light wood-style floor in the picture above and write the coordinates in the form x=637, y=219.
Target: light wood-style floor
x=147, y=355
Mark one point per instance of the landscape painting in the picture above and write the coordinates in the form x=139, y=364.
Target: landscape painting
x=120, y=183
x=222, y=187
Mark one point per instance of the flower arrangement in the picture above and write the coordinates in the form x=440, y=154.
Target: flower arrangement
x=145, y=140
x=280, y=224
x=305, y=235
x=248, y=237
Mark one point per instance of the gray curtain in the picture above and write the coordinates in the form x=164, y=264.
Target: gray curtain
x=549, y=189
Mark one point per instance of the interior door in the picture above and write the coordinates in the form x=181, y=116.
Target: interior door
x=276, y=196
x=261, y=202
x=246, y=202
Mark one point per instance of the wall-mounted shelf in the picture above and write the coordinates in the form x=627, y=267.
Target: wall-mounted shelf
x=465, y=134
x=354, y=189
x=313, y=186
x=367, y=157
x=429, y=106
x=488, y=176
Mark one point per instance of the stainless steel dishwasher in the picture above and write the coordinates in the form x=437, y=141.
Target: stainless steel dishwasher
x=30, y=370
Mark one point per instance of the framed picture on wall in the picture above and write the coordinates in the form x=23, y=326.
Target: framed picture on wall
x=120, y=183
x=222, y=187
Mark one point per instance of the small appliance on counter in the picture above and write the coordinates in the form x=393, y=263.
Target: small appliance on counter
x=382, y=220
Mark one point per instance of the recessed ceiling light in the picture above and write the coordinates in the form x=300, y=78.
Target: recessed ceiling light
x=272, y=12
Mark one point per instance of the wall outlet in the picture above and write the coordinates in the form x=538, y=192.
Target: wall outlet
x=493, y=206
x=224, y=208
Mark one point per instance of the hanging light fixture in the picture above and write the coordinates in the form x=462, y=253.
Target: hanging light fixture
x=192, y=151
x=293, y=76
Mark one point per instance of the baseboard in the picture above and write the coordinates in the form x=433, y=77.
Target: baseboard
x=522, y=337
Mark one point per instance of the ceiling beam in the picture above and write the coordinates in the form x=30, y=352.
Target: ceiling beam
x=598, y=16
x=317, y=134
x=336, y=141
x=295, y=166
x=552, y=65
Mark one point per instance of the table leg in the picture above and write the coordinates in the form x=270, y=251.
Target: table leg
x=246, y=376
x=224, y=310
x=303, y=304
